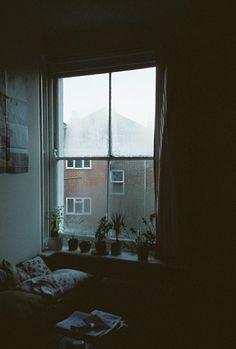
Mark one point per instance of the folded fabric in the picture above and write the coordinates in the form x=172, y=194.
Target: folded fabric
x=43, y=285
x=54, y=284
x=15, y=274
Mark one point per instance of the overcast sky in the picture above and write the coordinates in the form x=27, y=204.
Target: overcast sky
x=133, y=94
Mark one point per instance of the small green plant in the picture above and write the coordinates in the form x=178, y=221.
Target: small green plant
x=56, y=217
x=146, y=236
x=118, y=224
x=102, y=229
x=139, y=237
x=150, y=229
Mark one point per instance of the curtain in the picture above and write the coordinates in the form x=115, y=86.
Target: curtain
x=164, y=186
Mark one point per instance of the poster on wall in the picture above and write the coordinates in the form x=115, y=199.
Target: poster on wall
x=13, y=124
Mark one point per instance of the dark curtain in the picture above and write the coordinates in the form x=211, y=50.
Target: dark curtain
x=166, y=245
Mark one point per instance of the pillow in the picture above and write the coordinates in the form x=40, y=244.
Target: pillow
x=35, y=267
x=67, y=279
x=3, y=280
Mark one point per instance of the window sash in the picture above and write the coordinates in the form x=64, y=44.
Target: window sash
x=78, y=167
x=114, y=180
x=77, y=203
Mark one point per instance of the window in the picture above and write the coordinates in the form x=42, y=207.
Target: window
x=106, y=119
x=117, y=180
x=78, y=206
x=78, y=164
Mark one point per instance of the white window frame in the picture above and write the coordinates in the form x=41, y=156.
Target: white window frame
x=83, y=167
x=123, y=176
x=122, y=182
x=57, y=194
x=82, y=199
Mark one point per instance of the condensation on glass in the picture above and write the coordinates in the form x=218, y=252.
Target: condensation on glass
x=106, y=116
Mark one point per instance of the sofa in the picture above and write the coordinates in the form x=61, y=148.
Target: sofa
x=34, y=297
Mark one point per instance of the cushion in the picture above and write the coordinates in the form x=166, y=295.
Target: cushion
x=35, y=267
x=3, y=280
x=67, y=279
x=54, y=284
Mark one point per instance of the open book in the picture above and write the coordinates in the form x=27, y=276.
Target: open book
x=94, y=324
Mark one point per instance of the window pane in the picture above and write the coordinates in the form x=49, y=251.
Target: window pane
x=133, y=112
x=87, y=205
x=70, y=205
x=117, y=188
x=87, y=163
x=88, y=184
x=78, y=163
x=69, y=163
x=78, y=206
x=138, y=198
x=117, y=176
x=85, y=115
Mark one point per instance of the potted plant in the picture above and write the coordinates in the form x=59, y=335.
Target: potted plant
x=150, y=230
x=73, y=243
x=142, y=244
x=102, y=229
x=117, y=224
x=56, y=222
x=85, y=246
x=145, y=240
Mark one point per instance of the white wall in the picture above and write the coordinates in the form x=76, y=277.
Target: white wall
x=20, y=226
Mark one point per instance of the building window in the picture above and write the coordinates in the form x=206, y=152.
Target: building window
x=78, y=206
x=117, y=182
x=108, y=119
x=79, y=164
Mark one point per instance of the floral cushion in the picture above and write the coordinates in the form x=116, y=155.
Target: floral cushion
x=35, y=267
x=56, y=283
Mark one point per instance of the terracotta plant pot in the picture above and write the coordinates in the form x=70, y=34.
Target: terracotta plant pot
x=101, y=248
x=73, y=244
x=55, y=244
x=84, y=246
x=115, y=248
x=143, y=252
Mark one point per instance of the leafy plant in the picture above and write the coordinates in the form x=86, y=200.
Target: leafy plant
x=102, y=229
x=118, y=224
x=147, y=237
x=150, y=227
x=56, y=217
x=139, y=237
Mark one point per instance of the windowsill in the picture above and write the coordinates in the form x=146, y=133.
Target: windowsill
x=126, y=256
x=125, y=266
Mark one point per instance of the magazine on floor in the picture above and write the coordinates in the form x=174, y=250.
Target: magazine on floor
x=94, y=324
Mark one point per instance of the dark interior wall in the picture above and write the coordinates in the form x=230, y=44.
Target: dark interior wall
x=201, y=120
